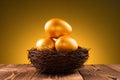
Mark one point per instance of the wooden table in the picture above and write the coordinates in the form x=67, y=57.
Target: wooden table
x=88, y=72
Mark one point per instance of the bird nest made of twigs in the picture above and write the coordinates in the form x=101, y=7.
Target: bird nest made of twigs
x=57, y=62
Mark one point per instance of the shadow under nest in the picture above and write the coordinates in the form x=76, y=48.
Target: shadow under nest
x=53, y=62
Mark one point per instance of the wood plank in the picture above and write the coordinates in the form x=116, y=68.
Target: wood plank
x=2, y=65
x=21, y=72
x=99, y=72
x=89, y=72
x=27, y=72
x=115, y=67
x=5, y=75
x=112, y=73
x=75, y=76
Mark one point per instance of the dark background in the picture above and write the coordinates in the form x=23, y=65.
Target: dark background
x=95, y=23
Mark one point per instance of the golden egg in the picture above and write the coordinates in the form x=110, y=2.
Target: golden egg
x=45, y=43
x=66, y=43
x=57, y=27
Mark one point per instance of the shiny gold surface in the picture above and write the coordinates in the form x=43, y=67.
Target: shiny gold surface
x=45, y=43
x=66, y=43
x=56, y=27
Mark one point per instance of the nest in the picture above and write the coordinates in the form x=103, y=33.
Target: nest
x=53, y=62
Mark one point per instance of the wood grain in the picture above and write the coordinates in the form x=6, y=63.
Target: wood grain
x=100, y=72
x=88, y=72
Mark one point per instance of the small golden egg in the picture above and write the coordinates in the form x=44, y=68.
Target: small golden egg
x=45, y=43
x=66, y=43
x=57, y=27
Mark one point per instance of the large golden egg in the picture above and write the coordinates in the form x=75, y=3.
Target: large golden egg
x=45, y=43
x=57, y=27
x=66, y=43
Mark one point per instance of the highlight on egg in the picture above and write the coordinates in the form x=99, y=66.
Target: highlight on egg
x=66, y=43
x=45, y=43
x=57, y=27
